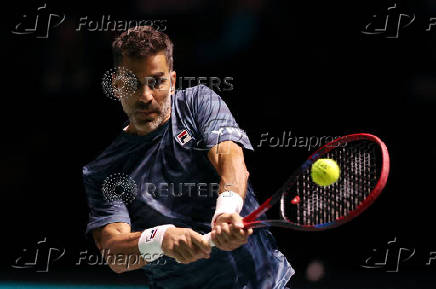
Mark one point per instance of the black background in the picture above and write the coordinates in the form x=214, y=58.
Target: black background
x=303, y=67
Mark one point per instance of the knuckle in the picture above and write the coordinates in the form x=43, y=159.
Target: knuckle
x=191, y=259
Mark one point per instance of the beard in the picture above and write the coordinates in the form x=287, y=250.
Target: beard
x=145, y=126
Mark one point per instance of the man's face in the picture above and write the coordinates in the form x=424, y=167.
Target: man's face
x=150, y=105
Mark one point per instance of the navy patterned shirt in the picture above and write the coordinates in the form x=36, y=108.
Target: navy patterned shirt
x=165, y=177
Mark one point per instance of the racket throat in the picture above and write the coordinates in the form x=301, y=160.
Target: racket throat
x=259, y=211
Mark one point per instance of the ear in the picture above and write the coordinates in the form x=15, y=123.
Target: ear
x=173, y=80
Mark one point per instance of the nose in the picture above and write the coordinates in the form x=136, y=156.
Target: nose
x=145, y=93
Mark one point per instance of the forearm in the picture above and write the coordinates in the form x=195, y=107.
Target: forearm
x=121, y=252
x=234, y=176
x=228, y=159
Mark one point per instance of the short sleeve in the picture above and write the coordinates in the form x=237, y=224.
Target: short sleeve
x=215, y=121
x=102, y=211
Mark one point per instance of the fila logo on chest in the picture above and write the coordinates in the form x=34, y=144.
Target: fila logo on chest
x=183, y=137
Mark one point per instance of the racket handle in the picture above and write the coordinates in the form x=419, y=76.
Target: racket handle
x=208, y=238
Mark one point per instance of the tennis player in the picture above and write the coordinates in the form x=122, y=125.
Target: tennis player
x=175, y=146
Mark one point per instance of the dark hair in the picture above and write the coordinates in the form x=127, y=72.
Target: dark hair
x=142, y=41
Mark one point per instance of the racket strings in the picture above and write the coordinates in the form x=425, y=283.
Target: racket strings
x=359, y=175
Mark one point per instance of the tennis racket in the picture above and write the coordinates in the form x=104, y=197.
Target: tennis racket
x=364, y=163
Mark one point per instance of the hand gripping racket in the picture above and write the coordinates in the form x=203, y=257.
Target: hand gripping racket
x=364, y=163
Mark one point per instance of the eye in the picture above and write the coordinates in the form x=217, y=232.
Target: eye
x=151, y=82
x=155, y=82
x=159, y=81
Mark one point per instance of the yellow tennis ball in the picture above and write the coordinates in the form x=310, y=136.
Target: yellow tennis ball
x=325, y=172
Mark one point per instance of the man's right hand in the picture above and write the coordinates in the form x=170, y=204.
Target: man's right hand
x=185, y=245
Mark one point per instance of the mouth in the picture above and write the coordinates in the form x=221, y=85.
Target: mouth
x=145, y=114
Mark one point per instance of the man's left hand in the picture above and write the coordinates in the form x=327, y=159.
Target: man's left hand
x=228, y=233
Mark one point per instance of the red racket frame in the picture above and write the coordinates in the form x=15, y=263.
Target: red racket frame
x=250, y=220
